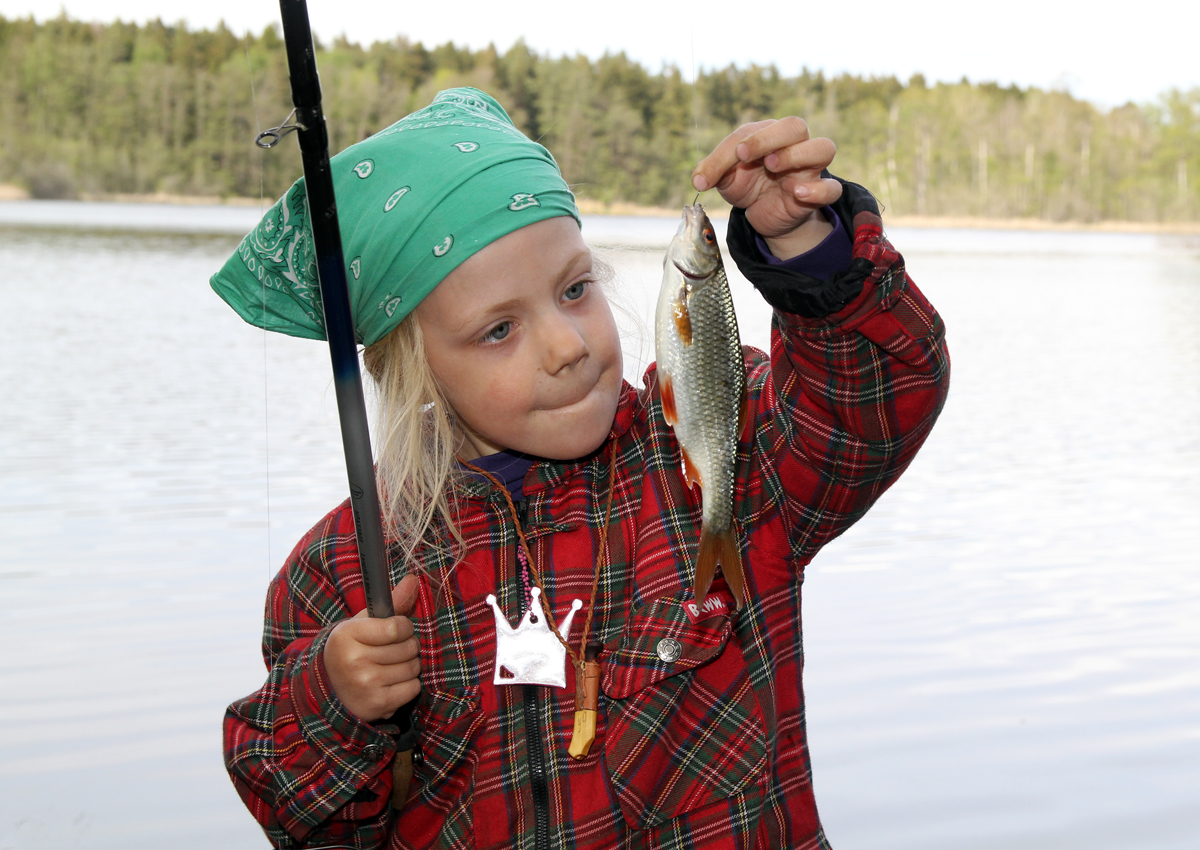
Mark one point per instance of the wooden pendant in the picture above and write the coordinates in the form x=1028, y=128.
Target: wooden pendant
x=587, y=701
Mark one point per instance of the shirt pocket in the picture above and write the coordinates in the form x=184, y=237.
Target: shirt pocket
x=684, y=727
x=449, y=724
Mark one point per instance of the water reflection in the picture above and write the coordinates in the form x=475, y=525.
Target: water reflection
x=1002, y=653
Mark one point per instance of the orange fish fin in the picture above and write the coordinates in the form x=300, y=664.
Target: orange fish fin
x=667, y=391
x=689, y=470
x=731, y=566
x=683, y=319
x=719, y=549
x=706, y=566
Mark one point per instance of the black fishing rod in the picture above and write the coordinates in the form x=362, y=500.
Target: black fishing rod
x=309, y=124
x=335, y=303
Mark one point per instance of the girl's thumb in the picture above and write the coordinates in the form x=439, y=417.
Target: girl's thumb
x=404, y=595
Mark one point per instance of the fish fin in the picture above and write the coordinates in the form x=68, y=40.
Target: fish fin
x=667, y=391
x=719, y=549
x=683, y=319
x=690, y=472
x=731, y=566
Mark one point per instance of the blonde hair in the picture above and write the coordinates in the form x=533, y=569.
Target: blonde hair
x=415, y=446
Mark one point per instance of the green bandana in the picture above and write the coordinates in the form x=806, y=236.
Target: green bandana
x=414, y=201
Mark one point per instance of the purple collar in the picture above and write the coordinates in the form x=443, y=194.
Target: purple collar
x=509, y=468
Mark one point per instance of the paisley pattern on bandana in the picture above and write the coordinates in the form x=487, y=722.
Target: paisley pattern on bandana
x=279, y=254
x=414, y=201
x=522, y=200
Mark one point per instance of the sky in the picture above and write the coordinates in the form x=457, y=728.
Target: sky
x=1100, y=56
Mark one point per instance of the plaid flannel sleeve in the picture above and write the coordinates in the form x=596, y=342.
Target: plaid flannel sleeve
x=310, y=772
x=853, y=392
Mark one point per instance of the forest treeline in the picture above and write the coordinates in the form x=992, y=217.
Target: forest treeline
x=127, y=108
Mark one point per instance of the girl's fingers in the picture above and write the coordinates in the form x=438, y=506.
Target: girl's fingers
x=712, y=169
x=367, y=660
x=393, y=674
x=813, y=193
x=404, y=598
x=380, y=631
x=774, y=147
x=809, y=155
x=404, y=595
x=774, y=136
x=382, y=702
x=394, y=653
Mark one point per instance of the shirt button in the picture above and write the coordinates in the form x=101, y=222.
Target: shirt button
x=669, y=650
x=372, y=752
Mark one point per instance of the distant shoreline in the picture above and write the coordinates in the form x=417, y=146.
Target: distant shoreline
x=9, y=192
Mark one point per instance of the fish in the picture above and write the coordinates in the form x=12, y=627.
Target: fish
x=701, y=375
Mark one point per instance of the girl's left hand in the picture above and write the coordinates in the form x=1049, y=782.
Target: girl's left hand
x=772, y=170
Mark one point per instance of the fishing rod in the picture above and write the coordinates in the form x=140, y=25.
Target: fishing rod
x=309, y=123
x=335, y=304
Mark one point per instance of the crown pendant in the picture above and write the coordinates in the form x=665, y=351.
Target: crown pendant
x=531, y=654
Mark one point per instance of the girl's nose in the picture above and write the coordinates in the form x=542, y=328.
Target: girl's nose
x=564, y=344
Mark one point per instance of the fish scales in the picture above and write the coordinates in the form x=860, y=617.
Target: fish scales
x=706, y=418
x=702, y=381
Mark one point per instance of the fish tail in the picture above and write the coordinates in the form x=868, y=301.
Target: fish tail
x=719, y=549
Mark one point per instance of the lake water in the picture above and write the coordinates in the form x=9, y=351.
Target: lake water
x=1004, y=653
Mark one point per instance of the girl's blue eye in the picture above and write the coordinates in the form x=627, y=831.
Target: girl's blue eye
x=498, y=333
x=575, y=291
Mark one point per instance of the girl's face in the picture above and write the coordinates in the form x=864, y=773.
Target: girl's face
x=524, y=346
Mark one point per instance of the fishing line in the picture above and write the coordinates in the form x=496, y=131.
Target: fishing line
x=263, y=290
x=695, y=91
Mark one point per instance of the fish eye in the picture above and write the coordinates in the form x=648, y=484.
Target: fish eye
x=709, y=236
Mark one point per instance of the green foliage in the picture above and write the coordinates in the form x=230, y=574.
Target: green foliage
x=128, y=108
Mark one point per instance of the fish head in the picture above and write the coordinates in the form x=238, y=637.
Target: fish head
x=694, y=249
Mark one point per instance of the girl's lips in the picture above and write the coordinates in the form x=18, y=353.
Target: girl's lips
x=575, y=398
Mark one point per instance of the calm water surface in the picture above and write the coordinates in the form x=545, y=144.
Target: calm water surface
x=1003, y=654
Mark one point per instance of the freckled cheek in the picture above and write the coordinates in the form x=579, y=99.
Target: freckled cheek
x=504, y=394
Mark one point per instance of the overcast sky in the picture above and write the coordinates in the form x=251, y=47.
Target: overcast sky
x=1083, y=48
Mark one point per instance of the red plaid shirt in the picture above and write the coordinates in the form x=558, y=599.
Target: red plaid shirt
x=701, y=739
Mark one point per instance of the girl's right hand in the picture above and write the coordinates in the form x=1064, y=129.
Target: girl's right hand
x=772, y=170
x=373, y=663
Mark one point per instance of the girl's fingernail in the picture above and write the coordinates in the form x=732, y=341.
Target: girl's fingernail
x=743, y=152
x=801, y=191
x=771, y=162
x=699, y=183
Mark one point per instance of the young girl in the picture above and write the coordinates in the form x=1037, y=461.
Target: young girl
x=528, y=488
